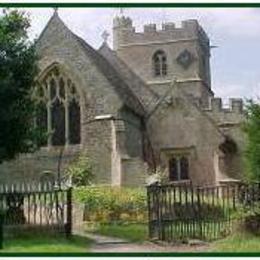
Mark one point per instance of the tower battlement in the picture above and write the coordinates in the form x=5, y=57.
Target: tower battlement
x=216, y=105
x=225, y=116
x=125, y=33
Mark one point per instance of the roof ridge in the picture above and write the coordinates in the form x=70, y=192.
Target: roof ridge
x=144, y=93
x=122, y=89
x=105, y=45
x=210, y=119
x=108, y=66
x=54, y=15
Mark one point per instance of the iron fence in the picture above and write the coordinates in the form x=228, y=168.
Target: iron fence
x=207, y=213
x=41, y=206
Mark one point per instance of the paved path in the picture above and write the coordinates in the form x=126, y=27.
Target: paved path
x=111, y=244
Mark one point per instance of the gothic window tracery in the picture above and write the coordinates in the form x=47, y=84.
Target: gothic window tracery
x=58, y=110
x=159, y=63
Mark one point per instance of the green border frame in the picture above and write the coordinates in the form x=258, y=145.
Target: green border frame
x=131, y=5
x=147, y=254
x=135, y=5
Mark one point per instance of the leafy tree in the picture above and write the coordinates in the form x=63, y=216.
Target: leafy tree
x=252, y=129
x=17, y=72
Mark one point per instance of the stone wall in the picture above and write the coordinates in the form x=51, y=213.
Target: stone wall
x=134, y=172
x=57, y=47
x=30, y=167
x=186, y=121
x=136, y=49
x=181, y=127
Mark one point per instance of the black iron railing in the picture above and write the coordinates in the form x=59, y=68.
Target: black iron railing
x=208, y=213
x=37, y=205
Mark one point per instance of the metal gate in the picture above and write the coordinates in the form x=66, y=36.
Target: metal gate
x=207, y=213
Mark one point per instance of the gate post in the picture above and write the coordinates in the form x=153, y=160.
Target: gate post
x=68, y=224
x=199, y=213
x=149, y=206
x=1, y=230
x=153, y=211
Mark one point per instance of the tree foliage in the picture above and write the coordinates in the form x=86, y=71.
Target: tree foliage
x=252, y=129
x=17, y=72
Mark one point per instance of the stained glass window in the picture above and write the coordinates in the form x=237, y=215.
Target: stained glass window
x=59, y=108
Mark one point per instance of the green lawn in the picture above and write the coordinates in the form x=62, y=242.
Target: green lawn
x=131, y=232
x=39, y=243
x=238, y=242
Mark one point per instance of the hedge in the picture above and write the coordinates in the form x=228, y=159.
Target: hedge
x=105, y=204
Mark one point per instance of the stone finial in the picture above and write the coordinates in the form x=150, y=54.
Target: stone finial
x=121, y=11
x=55, y=10
x=105, y=36
x=122, y=21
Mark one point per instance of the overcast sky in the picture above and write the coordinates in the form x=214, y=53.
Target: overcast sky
x=235, y=64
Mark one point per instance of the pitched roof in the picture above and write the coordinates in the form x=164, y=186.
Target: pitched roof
x=121, y=87
x=142, y=91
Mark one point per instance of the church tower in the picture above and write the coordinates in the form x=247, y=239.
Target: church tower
x=159, y=55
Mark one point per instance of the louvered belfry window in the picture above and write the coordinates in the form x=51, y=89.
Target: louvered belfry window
x=159, y=63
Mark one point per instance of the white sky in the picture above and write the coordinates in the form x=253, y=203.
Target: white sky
x=235, y=64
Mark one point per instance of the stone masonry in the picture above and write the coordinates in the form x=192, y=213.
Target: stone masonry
x=138, y=111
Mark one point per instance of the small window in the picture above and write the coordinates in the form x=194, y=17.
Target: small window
x=159, y=64
x=178, y=168
x=173, y=169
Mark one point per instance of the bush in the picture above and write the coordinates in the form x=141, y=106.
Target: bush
x=112, y=204
x=252, y=130
x=159, y=176
x=80, y=171
x=252, y=224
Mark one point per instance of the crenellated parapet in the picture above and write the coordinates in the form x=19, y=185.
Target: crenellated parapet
x=233, y=114
x=125, y=33
x=216, y=105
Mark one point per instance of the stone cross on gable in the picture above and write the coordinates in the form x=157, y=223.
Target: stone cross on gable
x=55, y=9
x=105, y=36
x=121, y=10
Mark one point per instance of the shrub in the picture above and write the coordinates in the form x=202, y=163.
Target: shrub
x=252, y=130
x=80, y=171
x=159, y=176
x=112, y=204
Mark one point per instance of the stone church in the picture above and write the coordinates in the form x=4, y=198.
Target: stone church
x=146, y=103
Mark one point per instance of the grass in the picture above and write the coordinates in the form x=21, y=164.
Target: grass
x=129, y=232
x=238, y=242
x=39, y=243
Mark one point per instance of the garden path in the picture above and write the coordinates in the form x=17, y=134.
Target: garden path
x=115, y=245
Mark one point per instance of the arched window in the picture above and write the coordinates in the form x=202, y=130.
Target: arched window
x=58, y=111
x=159, y=64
